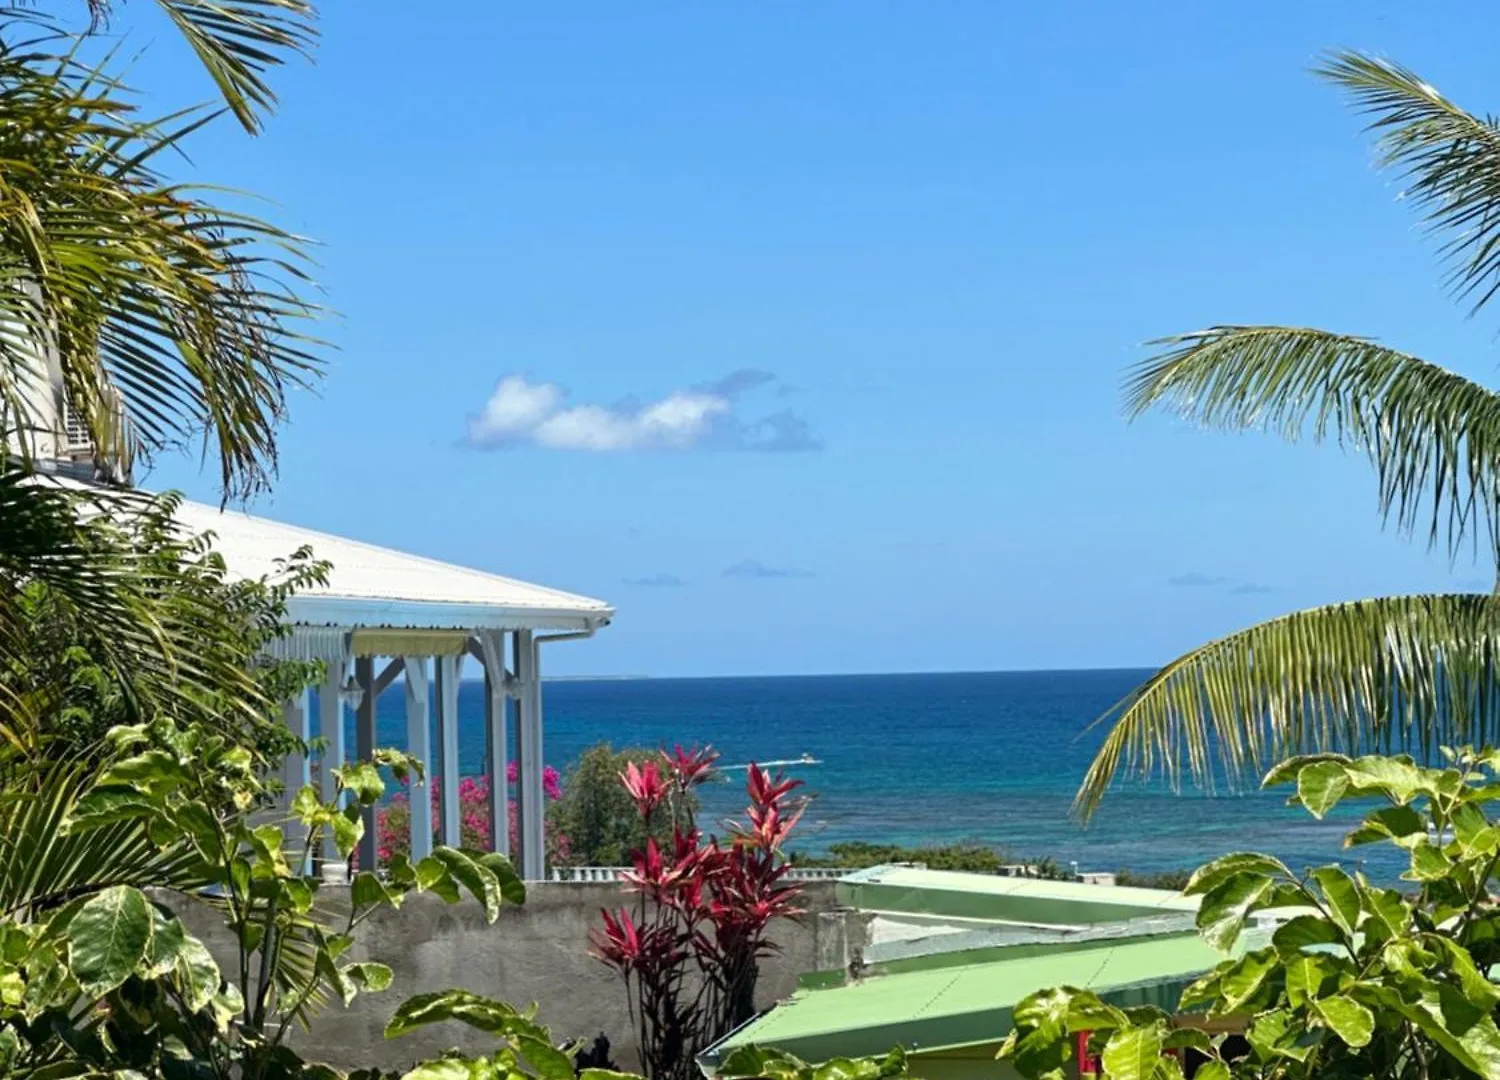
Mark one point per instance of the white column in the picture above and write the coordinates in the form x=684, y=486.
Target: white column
x=419, y=746
x=496, y=737
x=335, y=753
x=529, y=730
x=296, y=770
x=447, y=669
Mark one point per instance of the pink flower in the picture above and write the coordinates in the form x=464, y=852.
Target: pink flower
x=645, y=785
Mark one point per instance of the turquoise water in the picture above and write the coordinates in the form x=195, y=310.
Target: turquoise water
x=991, y=757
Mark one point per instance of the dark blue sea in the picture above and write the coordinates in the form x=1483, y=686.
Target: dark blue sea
x=911, y=759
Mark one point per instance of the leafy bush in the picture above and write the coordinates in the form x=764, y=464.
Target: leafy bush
x=1356, y=980
x=1171, y=880
x=967, y=858
x=597, y=815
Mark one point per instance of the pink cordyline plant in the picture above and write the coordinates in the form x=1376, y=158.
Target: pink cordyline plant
x=690, y=952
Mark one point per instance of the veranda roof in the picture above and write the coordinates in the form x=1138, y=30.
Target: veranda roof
x=371, y=586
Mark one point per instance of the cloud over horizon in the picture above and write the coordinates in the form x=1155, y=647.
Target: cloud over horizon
x=754, y=568
x=520, y=412
x=1251, y=588
x=657, y=581
x=1194, y=580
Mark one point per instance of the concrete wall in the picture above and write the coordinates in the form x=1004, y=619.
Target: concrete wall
x=535, y=953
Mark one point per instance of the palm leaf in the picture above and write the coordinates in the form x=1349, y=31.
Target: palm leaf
x=238, y=42
x=147, y=297
x=1399, y=674
x=1433, y=436
x=1448, y=158
x=117, y=567
x=43, y=865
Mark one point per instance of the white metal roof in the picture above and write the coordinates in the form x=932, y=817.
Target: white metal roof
x=376, y=586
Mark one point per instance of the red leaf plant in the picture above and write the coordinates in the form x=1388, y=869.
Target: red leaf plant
x=690, y=952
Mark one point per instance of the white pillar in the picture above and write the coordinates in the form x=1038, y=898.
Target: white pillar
x=529, y=738
x=447, y=669
x=419, y=746
x=335, y=753
x=496, y=737
x=295, y=768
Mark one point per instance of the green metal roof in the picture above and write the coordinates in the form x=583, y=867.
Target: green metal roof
x=969, y=1004
x=1008, y=899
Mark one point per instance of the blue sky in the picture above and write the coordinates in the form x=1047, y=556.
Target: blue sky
x=797, y=330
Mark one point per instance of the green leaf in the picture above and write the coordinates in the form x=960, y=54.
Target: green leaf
x=197, y=974
x=1341, y=895
x=512, y=888
x=1388, y=909
x=1321, y=785
x=1395, y=777
x=1477, y=988
x=1428, y=863
x=1240, y=980
x=1212, y=1070
x=546, y=1061
x=1275, y=1034
x=495, y=1017
x=370, y=975
x=478, y=879
x=1306, y=975
x=367, y=890
x=152, y=773
x=1388, y=823
x=307, y=807
x=1215, y=873
x=108, y=938
x=363, y=779
x=346, y=833
x=298, y=893
x=167, y=938
x=1132, y=1053
x=441, y=1069
x=1226, y=906
x=266, y=842
x=1301, y=931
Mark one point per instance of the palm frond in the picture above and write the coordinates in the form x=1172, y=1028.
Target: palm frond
x=1448, y=158
x=1433, y=436
x=43, y=865
x=1398, y=674
x=119, y=570
x=145, y=295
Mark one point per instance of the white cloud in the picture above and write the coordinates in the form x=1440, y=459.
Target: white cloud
x=522, y=412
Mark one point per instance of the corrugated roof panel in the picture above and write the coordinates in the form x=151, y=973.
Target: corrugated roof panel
x=379, y=581
x=957, y=1006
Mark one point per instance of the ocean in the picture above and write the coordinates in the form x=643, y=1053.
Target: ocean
x=992, y=757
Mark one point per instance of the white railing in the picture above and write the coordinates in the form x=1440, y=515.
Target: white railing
x=590, y=875
x=604, y=875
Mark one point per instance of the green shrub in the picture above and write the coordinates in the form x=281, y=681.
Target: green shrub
x=596, y=813
x=1172, y=880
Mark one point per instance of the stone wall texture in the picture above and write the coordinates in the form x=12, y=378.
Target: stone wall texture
x=534, y=953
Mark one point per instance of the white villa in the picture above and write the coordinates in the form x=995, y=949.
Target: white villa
x=385, y=613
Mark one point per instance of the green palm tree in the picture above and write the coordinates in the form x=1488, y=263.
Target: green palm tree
x=1411, y=672
x=169, y=317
